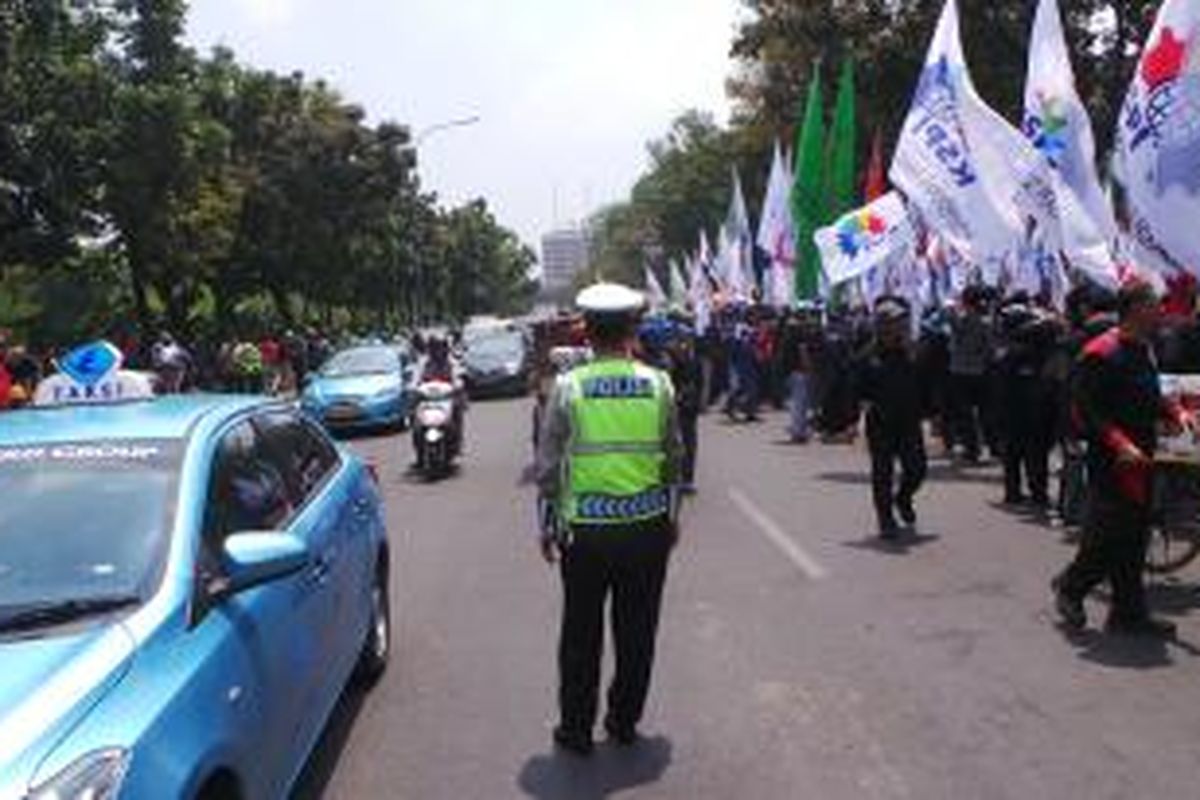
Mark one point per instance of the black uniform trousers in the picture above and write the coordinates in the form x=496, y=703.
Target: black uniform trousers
x=628, y=562
x=1116, y=533
x=889, y=442
x=1029, y=428
x=969, y=411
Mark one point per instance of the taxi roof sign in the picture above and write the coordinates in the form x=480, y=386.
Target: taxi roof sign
x=89, y=364
x=92, y=375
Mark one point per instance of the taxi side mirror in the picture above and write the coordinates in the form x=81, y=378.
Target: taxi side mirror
x=255, y=558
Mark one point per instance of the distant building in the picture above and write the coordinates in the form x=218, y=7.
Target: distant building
x=565, y=254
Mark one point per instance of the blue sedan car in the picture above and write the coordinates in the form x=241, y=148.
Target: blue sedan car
x=363, y=387
x=186, y=586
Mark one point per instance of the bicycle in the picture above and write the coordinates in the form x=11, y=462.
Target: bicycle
x=1175, y=531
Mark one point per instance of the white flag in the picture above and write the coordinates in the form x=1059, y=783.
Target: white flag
x=679, y=287
x=865, y=239
x=741, y=240
x=974, y=178
x=700, y=292
x=1158, y=142
x=1057, y=124
x=737, y=221
x=704, y=255
x=654, y=291
x=777, y=233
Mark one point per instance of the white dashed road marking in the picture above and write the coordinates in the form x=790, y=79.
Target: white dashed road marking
x=770, y=529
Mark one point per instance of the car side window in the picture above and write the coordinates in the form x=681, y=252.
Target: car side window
x=305, y=456
x=248, y=491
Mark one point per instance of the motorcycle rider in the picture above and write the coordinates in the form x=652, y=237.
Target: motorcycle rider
x=439, y=365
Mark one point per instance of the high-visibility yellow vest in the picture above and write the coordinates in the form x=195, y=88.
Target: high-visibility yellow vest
x=247, y=359
x=616, y=459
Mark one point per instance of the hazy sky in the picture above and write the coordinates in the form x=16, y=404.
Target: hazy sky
x=569, y=91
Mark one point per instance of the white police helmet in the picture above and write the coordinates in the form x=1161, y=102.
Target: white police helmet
x=610, y=299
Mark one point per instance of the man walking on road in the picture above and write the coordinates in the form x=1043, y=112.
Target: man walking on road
x=889, y=384
x=1118, y=402
x=608, y=468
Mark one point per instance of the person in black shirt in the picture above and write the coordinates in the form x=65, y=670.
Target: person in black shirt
x=1117, y=403
x=1027, y=400
x=687, y=375
x=888, y=383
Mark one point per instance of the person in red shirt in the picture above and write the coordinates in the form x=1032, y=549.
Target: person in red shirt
x=271, y=352
x=1117, y=404
x=5, y=378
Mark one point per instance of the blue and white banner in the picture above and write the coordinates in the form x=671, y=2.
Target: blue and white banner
x=975, y=179
x=1057, y=124
x=700, y=290
x=865, y=239
x=1158, y=143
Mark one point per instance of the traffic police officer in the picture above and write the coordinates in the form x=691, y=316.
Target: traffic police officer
x=608, y=468
x=889, y=384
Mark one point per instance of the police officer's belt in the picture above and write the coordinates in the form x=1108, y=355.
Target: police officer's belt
x=638, y=506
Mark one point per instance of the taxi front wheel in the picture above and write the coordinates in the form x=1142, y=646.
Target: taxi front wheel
x=377, y=649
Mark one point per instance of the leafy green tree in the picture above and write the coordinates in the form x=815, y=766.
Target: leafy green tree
x=136, y=175
x=55, y=89
x=685, y=191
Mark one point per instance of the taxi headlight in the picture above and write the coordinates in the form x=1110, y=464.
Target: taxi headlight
x=95, y=776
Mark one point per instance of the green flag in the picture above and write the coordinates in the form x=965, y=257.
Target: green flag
x=841, y=177
x=808, y=201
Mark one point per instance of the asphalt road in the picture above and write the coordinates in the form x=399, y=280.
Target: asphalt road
x=798, y=657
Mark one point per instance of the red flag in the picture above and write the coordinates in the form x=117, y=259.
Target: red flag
x=876, y=185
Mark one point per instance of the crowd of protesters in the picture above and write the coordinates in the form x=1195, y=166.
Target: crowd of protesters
x=995, y=375
x=270, y=363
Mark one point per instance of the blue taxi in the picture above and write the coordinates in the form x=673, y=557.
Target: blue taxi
x=186, y=586
x=363, y=387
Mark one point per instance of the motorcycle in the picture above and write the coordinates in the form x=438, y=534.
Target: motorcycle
x=436, y=434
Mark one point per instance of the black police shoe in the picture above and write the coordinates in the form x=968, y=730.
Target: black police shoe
x=889, y=531
x=904, y=507
x=1146, y=626
x=576, y=742
x=1069, y=608
x=624, y=735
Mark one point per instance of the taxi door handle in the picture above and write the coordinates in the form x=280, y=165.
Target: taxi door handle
x=321, y=568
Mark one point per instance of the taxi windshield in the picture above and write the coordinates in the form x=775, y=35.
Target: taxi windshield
x=363, y=361
x=83, y=521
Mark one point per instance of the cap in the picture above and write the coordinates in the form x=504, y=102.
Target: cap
x=610, y=298
x=890, y=308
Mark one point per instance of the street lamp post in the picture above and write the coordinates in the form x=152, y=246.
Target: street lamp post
x=444, y=126
x=417, y=141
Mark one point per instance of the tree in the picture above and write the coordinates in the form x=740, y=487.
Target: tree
x=202, y=193
x=487, y=269
x=55, y=87
x=685, y=191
